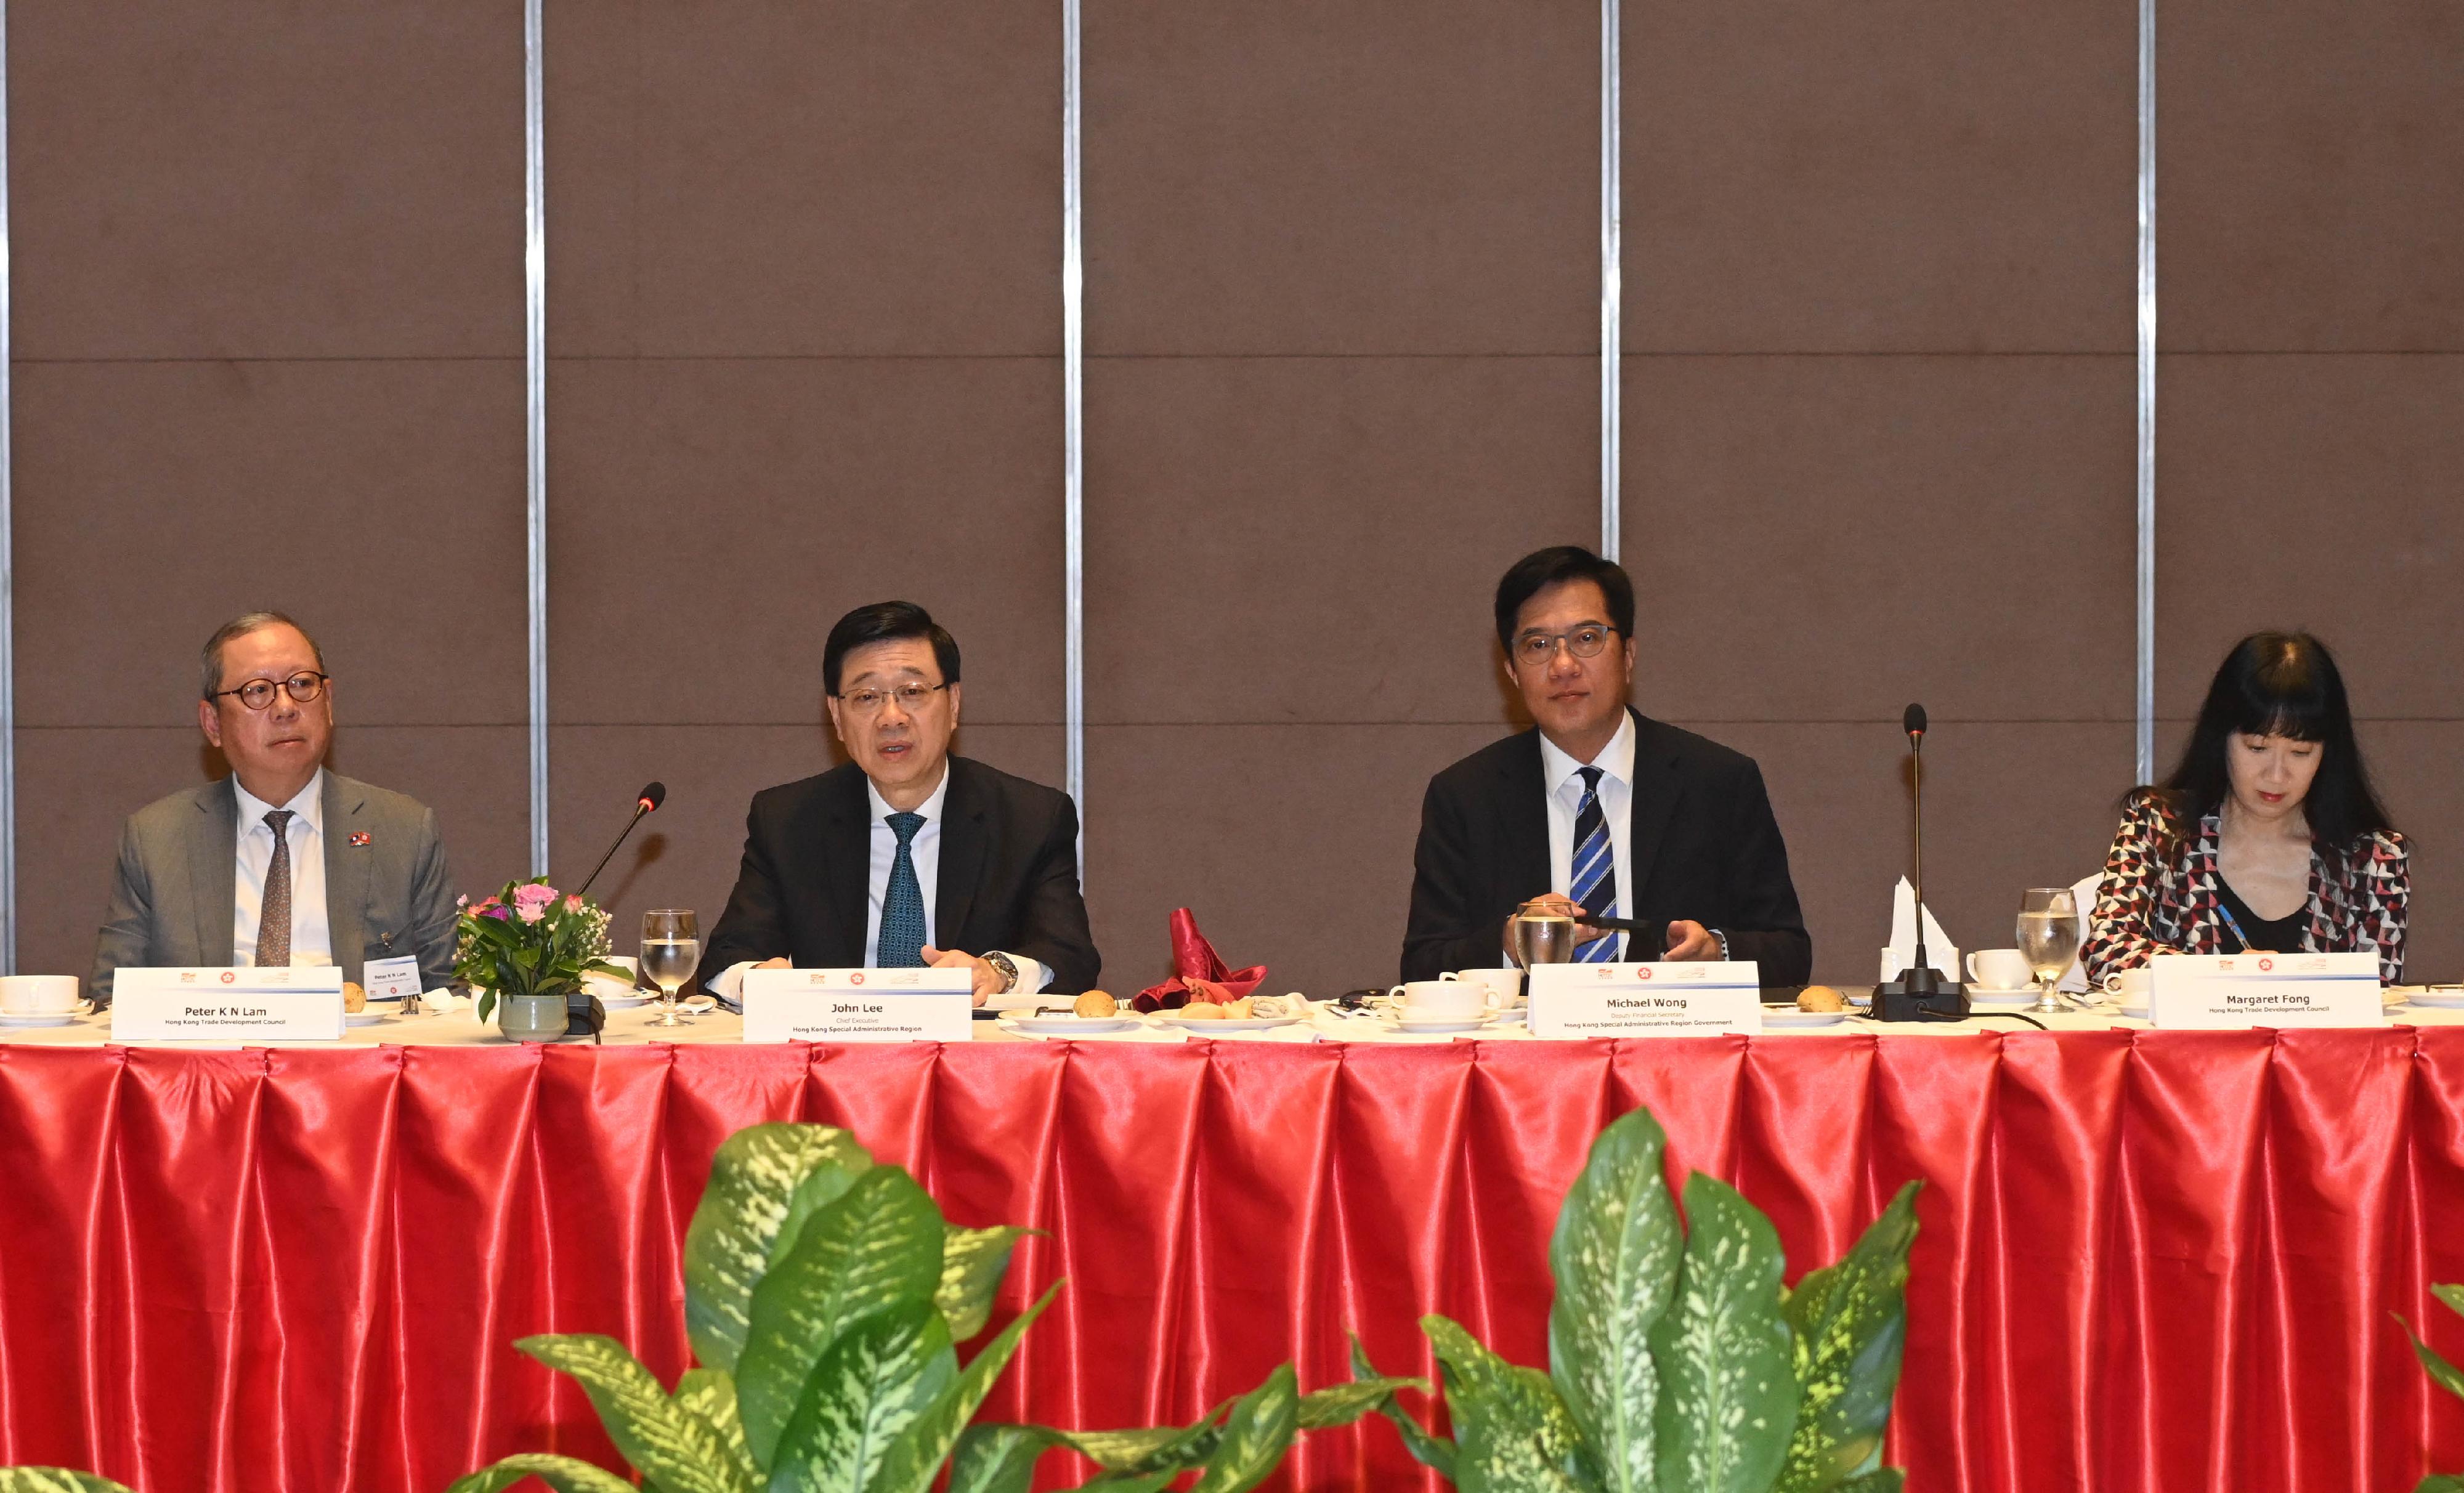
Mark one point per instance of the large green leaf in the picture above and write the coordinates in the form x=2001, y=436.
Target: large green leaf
x=1342, y=1405
x=765, y=1180
x=1426, y=1449
x=1512, y=1432
x=972, y=1263
x=60, y=1479
x=1615, y=1254
x=876, y=1246
x=1849, y=1323
x=2451, y=1295
x=995, y=1459
x=1129, y=1481
x=1256, y=1436
x=876, y=1379
x=1147, y=1449
x=2440, y=1483
x=2442, y=1373
x=917, y=1457
x=710, y=1393
x=1727, y=1401
x=1887, y=1480
x=564, y=1474
x=673, y=1446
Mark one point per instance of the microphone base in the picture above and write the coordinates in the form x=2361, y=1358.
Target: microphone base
x=1921, y=995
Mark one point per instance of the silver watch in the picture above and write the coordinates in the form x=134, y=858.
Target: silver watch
x=1008, y=971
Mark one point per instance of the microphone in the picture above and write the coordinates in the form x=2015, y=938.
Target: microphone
x=1920, y=994
x=652, y=796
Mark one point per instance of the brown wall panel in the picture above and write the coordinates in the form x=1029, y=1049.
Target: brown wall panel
x=2309, y=155
x=1830, y=538
x=859, y=176
x=1913, y=175
x=266, y=178
x=1275, y=539
x=1382, y=176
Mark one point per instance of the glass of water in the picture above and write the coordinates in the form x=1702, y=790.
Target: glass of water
x=671, y=950
x=2049, y=937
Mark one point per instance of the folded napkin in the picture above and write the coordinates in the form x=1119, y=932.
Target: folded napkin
x=1199, y=971
x=2084, y=891
x=1940, y=952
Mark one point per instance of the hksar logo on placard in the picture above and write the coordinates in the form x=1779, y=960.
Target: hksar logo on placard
x=2264, y=965
x=229, y=977
x=856, y=978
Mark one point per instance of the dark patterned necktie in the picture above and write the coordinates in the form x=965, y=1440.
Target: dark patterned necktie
x=1594, y=873
x=901, y=946
x=273, y=912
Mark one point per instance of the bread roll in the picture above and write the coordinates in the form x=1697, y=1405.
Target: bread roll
x=1820, y=998
x=1096, y=1003
x=1202, y=1011
x=354, y=998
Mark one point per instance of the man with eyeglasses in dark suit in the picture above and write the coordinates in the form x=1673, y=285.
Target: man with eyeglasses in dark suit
x=283, y=862
x=1600, y=808
x=907, y=855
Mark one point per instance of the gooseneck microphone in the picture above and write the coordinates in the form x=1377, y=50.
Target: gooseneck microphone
x=653, y=795
x=1920, y=994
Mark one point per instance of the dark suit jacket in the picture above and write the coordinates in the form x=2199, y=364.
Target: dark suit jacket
x=1704, y=846
x=172, y=896
x=1009, y=878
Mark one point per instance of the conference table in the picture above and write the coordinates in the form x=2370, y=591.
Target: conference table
x=2149, y=1259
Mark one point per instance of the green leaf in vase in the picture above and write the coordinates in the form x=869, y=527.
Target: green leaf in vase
x=871, y=1385
x=682, y=1453
x=764, y=1182
x=1728, y=1400
x=710, y=1394
x=1512, y=1432
x=992, y=1458
x=61, y=1480
x=972, y=1261
x=1427, y=1449
x=562, y=1473
x=1849, y=1324
x=1256, y=1436
x=917, y=1459
x=1615, y=1254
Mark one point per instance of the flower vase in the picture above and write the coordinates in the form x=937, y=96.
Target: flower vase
x=531, y=1018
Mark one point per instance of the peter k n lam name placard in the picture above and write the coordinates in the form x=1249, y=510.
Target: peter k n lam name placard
x=1707, y=999
x=859, y=1005
x=275, y=1003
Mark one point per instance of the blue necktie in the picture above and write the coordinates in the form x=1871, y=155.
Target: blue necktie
x=1594, y=878
x=902, y=905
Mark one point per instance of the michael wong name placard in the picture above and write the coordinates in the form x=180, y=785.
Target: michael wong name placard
x=2229, y=991
x=1705, y=999
x=277, y=1003
x=859, y=1005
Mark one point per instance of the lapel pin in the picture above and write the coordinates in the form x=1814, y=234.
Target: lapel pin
x=360, y=837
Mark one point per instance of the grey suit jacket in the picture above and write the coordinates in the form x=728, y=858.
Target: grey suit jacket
x=172, y=898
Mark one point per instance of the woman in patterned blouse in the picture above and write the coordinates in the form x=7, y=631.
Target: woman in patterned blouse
x=2267, y=836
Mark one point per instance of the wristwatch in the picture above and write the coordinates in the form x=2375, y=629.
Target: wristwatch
x=1008, y=971
x=1724, y=944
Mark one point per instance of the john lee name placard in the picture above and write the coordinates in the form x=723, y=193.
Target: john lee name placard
x=859, y=1005
x=2229, y=992
x=1704, y=1000
x=301, y=1004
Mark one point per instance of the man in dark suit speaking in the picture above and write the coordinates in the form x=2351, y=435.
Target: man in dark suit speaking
x=1600, y=809
x=906, y=856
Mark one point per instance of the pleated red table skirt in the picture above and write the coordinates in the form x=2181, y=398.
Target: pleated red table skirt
x=2148, y=1261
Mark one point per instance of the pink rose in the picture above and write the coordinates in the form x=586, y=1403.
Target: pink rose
x=531, y=902
x=573, y=904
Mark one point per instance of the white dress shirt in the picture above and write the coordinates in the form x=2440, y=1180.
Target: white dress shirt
x=1562, y=775
x=925, y=851
x=312, y=937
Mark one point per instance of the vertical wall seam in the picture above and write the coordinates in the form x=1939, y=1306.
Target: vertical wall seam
x=2144, y=741
x=1074, y=438
x=7, y=553
x=535, y=375
x=1612, y=282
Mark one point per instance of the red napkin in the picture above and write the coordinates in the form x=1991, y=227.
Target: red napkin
x=1201, y=971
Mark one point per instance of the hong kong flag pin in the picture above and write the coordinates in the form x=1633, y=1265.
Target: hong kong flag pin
x=361, y=836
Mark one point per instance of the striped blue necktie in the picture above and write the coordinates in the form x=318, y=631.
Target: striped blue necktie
x=901, y=946
x=1594, y=879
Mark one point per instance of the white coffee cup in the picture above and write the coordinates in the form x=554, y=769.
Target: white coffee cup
x=604, y=985
x=2130, y=985
x=37, y=995
x=2000, y=968
x=1504, y=986
x=1445, y=999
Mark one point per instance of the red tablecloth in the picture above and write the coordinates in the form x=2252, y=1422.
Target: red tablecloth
x=2149, y=1261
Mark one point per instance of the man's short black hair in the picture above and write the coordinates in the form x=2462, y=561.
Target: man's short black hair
x=881, y=622
x=1555, y=565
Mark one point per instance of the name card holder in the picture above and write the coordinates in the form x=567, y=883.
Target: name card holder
x=2235, y=991
x=277, y=1003
x=1690, y=1000
x=859, y=1005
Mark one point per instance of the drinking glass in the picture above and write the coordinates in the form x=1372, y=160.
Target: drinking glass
x=671, y=949
x=1542, y=936
x=2049, y=937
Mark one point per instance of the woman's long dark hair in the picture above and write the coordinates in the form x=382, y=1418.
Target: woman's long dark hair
x=2280, y=684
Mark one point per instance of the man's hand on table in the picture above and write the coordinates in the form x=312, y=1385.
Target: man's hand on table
x=1690, y=941
x=988, y=980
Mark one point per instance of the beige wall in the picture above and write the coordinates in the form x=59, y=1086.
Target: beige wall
x=1342, y=336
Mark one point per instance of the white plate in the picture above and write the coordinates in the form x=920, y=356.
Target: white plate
x=1248, y=1024
x=365, y=1018
x=36, y=1017
x=2136, y=1010
x=639, y=997
x=1520, y=1015
x=1986, y=995
x=2448, y=999
x=1417, y=1024
x=1771, y=1017
x=1064, y=1024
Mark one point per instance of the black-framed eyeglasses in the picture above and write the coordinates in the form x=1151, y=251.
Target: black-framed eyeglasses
x=1583, y=642
x=259, y=694
x=910, y=698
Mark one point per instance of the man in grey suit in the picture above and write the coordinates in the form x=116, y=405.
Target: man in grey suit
x=282, y=862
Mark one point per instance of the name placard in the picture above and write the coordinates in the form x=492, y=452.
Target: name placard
x=859, y=1005
x=2231, y=991
x=1698, y=1000
x=296, y=1003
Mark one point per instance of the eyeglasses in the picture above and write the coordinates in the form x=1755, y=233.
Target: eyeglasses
x=259, y=694
x=910, y=698
x=1583, y=642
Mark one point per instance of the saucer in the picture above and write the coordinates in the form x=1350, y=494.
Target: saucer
x=2135, y=1010
x=2446, y=997
x=639, y=998
x=1064, y=1023
x=365, y=1018
x=1986, y=996
x=1248, y=1024
x=1435, y=1024
x=1784, y=1017
x=36, y=1017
